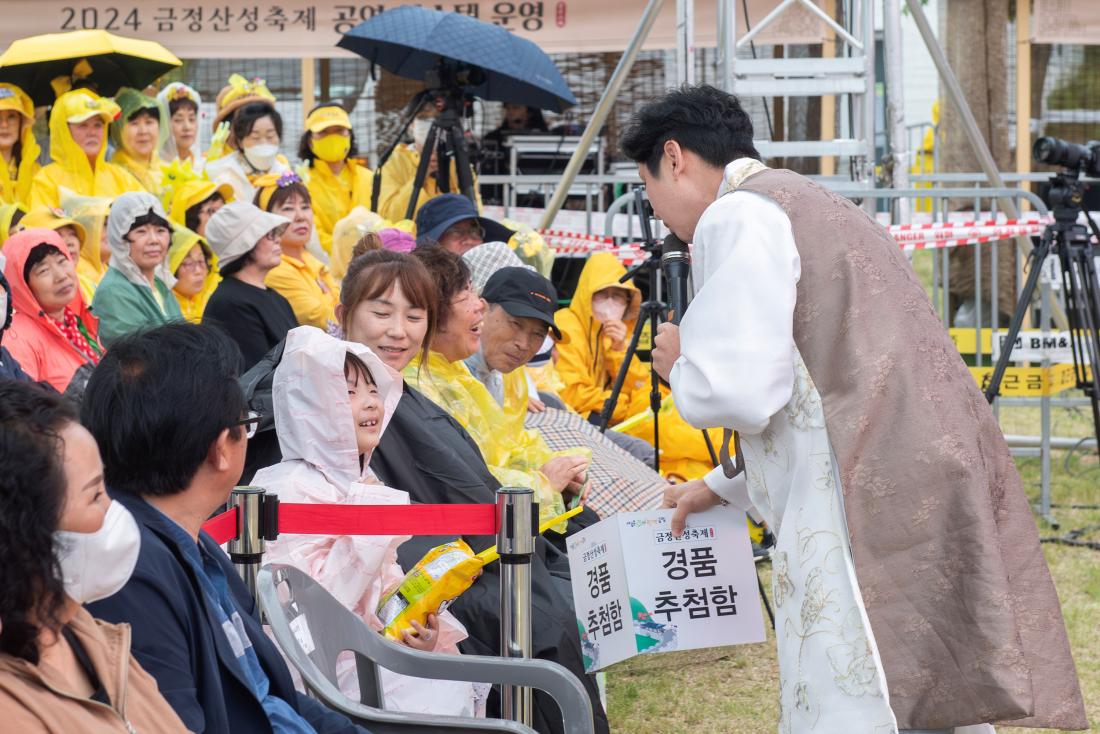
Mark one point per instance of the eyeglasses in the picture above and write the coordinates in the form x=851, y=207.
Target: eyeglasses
x=194, y=266
x=251, y=423
x=466, y=232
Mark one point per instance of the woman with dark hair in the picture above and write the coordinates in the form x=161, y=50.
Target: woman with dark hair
x=389, y=302
x=337, y=182
x=133, y=294
x=182, y=143
x=245, y=240
x=195, y=201
x=52, y=334
x=300, y=277
x=253, y=131
x=64, y=543
x=137, y=135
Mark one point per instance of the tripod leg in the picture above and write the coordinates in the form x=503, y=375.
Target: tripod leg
x=462, y=163
x=422, y=170
x=655, y=399
x=1038, y=257
x=764, y=598
x=1084, y=316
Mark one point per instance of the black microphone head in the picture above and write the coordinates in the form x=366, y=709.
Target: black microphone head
x=673, y=246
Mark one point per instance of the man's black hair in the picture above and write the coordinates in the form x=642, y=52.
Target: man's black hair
x=158, y=401
x=705, y=120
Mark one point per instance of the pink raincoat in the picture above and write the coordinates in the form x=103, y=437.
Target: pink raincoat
x=321, y=465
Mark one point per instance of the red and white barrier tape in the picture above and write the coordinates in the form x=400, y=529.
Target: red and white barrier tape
x=934, y=235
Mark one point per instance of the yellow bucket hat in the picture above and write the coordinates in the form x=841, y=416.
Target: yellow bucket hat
x=195, y=192
x=328, y=116
x=44, y=217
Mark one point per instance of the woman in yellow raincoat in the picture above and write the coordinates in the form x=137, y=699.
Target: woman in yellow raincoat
x=599, y=321
x=72, y=233
x=193, y=202
x=194, y=266
x=337, y=182
x=90, y=212
x=137, y=135
x=17, y=145
x=300, y=277
x=78, y=147
x=11, y=218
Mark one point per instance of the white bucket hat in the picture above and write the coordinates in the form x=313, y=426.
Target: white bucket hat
x=237, y=227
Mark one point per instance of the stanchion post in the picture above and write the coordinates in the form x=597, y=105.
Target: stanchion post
x=247, y=549
x=517, y=526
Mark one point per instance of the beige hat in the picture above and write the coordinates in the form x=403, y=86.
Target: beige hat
x=235, y=229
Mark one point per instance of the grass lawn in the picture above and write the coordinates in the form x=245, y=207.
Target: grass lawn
x=734, y=689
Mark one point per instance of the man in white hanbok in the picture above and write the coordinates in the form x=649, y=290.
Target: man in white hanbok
x=830, y=342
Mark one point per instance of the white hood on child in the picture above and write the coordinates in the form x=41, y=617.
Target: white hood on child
x=312, y=410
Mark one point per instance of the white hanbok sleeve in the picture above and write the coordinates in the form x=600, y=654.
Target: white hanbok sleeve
x=736, y=365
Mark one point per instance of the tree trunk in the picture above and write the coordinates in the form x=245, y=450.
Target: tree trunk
x=976, y=46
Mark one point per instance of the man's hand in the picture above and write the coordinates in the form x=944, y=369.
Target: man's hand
x=534, y=405
x=616, y=331
x=687, y=498
x=564, y=472
x=666, y=349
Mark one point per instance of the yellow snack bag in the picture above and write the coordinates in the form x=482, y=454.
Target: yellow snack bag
x=438, y=579
x=433, y=583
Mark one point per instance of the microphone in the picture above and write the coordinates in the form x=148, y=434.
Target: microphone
x=676, y=265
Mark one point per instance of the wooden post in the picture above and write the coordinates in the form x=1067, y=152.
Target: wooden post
x=828, y=101
x=1023, y=92
x=309, y=86
x=326, y=80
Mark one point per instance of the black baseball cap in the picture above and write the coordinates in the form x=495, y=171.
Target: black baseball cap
x=525, y=294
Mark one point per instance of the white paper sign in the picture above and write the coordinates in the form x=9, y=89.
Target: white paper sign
x=1035, y=346
x=637, y=589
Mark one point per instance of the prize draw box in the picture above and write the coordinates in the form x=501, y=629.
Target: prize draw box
x=638, y=589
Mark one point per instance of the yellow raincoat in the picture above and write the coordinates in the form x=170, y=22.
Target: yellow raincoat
x=70, y=168
x=308, y=285
x=513, y=454
x=7, y=214
x=16, y=186
x=191, y=193
x=588, y=366
x=183, y=240
x=91, y=213
x=334, y=196
x=146, y=171
x=398, y=176
x=346, y=235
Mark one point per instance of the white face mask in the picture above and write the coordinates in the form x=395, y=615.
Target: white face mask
x=420, y=128
x=607, y=308
x=97, y=565
x=261, y=157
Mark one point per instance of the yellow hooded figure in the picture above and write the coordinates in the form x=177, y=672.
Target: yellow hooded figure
x=95, y=253
x=337, y=183
x=11, y=220
x=17, y=145
x=78, y=147
x=188, y=199
x=194, y=266
x=137, y=135
x=589, y=360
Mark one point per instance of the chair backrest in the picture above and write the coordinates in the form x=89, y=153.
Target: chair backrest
x=313, y=629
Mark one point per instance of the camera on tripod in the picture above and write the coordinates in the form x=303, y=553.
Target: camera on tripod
x=1082, y=159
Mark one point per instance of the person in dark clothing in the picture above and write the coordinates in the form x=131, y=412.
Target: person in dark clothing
x=9, y=367
x=246, y=240
x=388, y=302
x=166, y=411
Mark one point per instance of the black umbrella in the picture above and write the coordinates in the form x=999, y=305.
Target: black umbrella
x=453, y=50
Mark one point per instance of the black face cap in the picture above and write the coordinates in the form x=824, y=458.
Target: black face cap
x=525, y=294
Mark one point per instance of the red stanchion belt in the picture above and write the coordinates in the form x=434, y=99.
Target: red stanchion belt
x=387, y=519
x=306, y=519
x=222, y=528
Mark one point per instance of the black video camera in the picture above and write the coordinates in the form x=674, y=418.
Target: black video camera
x=1082, y=159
